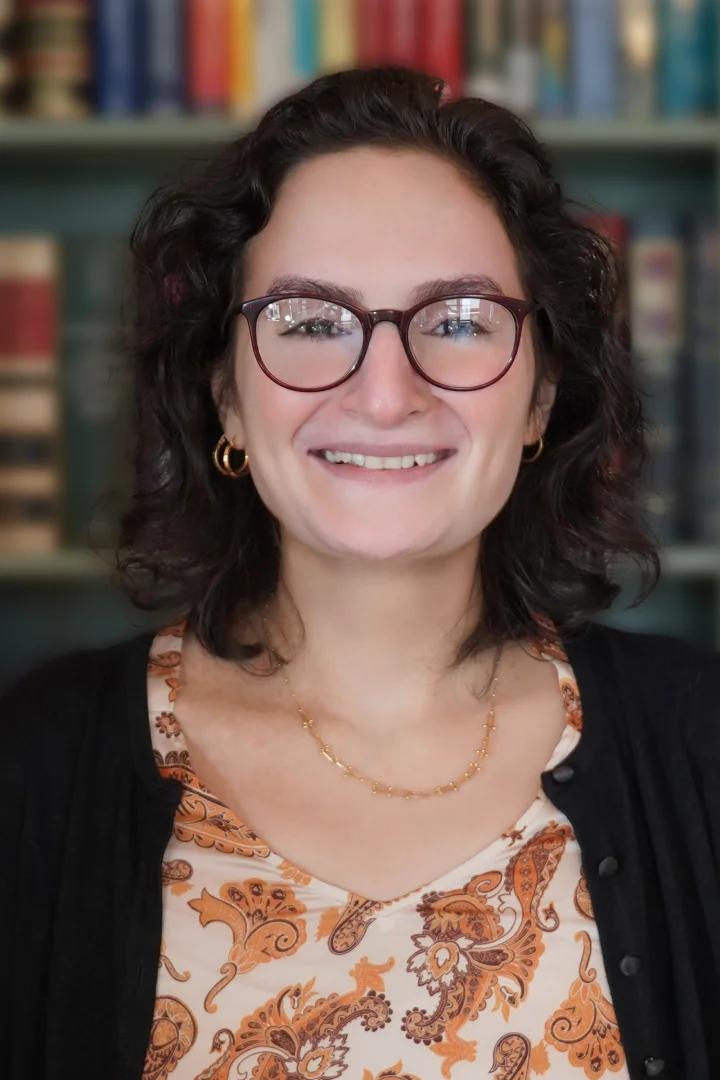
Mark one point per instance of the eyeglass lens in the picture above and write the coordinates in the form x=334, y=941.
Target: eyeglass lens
x=459, y=341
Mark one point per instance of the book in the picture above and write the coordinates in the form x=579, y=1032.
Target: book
x=688, y=69
x=441, y=46
x=638, y=44
x=656, y=259
x=485, y=38
x=701, y=384
x=388, y=32
x=117, y=54
x=163, y=57
x=336, y=35
x=52, y=58
x=593, y=58
x=242, y=72
x=208, y=55
x=95, y=387
x=522, y=57
x=274, y=52
x=305, y=39
x=553, y=94
x=7, y=61
x=30, y=454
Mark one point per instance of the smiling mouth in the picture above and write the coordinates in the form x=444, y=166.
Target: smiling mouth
x=395, y=463
x=375, y=470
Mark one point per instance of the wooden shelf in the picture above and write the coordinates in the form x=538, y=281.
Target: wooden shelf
x=65, y=565
x=146, y=133
x=679, y=561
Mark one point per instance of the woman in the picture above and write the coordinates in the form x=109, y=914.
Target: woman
x=382, y=800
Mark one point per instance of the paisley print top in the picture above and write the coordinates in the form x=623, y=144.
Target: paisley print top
x=266, y=972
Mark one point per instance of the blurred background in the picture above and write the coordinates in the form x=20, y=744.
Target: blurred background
x=102, y=100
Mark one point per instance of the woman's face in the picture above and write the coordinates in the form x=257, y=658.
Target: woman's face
x=382, y=221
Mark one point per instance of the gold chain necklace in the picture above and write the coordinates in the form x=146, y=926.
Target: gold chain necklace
x=379, y=788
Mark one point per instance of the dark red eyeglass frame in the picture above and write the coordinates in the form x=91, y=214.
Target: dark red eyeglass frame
x=519, y=309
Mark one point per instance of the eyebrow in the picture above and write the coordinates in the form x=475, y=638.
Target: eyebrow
x=468, y=283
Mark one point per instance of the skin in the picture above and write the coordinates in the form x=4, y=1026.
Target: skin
x=383, y=576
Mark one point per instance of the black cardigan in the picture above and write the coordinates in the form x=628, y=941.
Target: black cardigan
x=86, y=817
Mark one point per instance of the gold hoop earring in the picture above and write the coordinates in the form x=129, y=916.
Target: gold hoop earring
x=225, y=467
x=537, y=453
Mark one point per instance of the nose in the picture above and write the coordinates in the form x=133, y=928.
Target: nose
x=386, y=385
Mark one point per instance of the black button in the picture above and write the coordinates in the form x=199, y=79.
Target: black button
x=654, y=1066
x=563, y=773
x=629, y=965
x=608, y=866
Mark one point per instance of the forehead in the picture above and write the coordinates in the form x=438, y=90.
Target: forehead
x=383, y=219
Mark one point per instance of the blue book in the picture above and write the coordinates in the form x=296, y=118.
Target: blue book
x=163, y=49
x=305, y=45
x=593, y=57
x=688, y=50
x=116, y=43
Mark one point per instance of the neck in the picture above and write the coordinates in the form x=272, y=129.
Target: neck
x=378, y=638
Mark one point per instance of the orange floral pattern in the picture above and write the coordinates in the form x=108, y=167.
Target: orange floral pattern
x=494, y=969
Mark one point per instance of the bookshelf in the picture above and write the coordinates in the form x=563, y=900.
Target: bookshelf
x=66, y=177
x=186, y=132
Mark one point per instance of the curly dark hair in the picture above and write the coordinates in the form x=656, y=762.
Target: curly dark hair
x=208, y=546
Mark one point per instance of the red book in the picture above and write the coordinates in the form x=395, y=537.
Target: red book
x=441, y=49
x=28, y=305
x=388, y=32
x=370, y=32
x=404, y=43
x=29, y=399
x=208, y=55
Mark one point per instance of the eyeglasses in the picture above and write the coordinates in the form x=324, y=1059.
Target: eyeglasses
x=309, y=342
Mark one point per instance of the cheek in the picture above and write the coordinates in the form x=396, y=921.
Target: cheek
x=496, y=416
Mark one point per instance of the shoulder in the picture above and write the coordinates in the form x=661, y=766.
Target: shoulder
x=47, y=711
x=645, y=658
x=666, y=679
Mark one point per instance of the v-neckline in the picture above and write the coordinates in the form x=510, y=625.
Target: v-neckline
x=546, y=649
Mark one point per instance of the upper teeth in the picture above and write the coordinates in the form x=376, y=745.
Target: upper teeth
x=367, y=461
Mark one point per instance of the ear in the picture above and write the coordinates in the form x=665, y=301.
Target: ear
x=540, y=414
x=228, y=418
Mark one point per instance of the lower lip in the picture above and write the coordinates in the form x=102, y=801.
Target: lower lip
x=382, y=476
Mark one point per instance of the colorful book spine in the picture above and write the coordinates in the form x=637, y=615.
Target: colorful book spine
x=398, y=33
x=657, y=326
x=523, y=56
x=485, y=43
x=7, y=59
x=688, y=70
x=242, y=72
x=553, y=64
x=701, y=381
x=371, y=31
x=593, y=57
x=117, y=71
x=336, y=35
x=163, y=43
x=30, y=465
x=274, y=52
x=53, y=58
x=95, y=388
x=638, y=42
x=208, y=55
x=305, y=32
x=441, y=47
